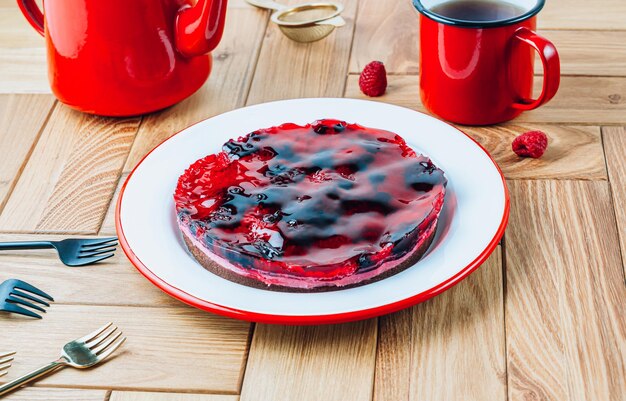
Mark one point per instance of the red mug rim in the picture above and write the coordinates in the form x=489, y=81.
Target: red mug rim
x=478, y=24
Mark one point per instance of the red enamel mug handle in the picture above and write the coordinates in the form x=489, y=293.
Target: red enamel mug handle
x=551, y=67
x=33, y=14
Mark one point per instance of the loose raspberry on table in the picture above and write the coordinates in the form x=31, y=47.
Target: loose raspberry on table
x=530, y=144
x=373, y=79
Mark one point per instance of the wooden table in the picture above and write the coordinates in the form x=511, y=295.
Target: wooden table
x=543, y=319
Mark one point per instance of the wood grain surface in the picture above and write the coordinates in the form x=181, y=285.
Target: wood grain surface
x=69, y=179
x=178, y=349
x=615, y=149
x=583, y=15
x=287, y=69
x=22, y=53
x=21, y=119
x=333, y=363
x=542, y=319
x=580, y=100
x=566, y=328
x=74, y=286
x=388, y=31
x=448, y=348
x=56, y=394
x=143, y=396
x=574, y=152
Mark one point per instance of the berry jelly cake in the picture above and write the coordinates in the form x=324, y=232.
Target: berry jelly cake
x=319, y=207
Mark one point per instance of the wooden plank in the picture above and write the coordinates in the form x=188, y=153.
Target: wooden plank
x=402, y=90
x=311, y=363
x=54, y=394
x=386, y=31
x=21, y=120
x=143, y=396
x=22, y=53
x=23, y=70
x=44, y=270
x=71, y=175
x=588, y=52
x=287, y=69
x=168, y=349
x=227, y=88
x=580, y=100
x=449, y=348
x=108, y=225
x=15, y=29
x=389, y=32
x=565, y=293
x=615, y=149
x=583, y=14
x=536, y=369
x=588, y=100
x=574, y=152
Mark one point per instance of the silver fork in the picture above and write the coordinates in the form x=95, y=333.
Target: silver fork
x=5, y=362
x=82, y=353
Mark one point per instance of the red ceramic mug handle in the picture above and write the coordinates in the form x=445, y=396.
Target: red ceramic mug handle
x=551, y=67
x=32, y=13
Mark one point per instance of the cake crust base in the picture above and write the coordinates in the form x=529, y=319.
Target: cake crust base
x=226, y=273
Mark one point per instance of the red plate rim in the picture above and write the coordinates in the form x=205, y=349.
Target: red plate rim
x=311, y=319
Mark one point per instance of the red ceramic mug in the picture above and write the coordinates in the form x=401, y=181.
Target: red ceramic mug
x=126, y=57
x=480, y=72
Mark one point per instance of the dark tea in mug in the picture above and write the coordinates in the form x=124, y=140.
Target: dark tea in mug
x=478, y=10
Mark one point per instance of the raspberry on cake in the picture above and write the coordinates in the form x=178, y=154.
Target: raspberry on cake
x=324, y=206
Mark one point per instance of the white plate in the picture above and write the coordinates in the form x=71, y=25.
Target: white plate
x=473, y=219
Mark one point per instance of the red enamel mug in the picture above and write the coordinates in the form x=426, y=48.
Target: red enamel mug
x=126, y=57
x=480, y=72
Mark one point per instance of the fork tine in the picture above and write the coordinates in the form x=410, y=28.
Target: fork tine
x=5, y=361
x=16, y=300
x=27, y=296
x=88, y=261
x=96, y=242
x=100, y=337
x=104, y=355
x=93, y=334
x=22, y=285
x=13, y=308
x=95, y=252
x=98, y=248
x=104, y=345
x=6, y=355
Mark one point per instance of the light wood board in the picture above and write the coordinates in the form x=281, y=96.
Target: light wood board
x=172, y=349
x=287, y=69
x=67, y=184
x=55, y=394
x=21, y=119
x=449, y=348
x=566, y=328
x=143, y=396
x=615, y=149
x=580, y=100
x=333, y=363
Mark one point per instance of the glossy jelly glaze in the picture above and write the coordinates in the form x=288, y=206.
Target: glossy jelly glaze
x=322, y=201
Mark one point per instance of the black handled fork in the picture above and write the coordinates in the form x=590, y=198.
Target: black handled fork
x=17, y=296
x=73, y=251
